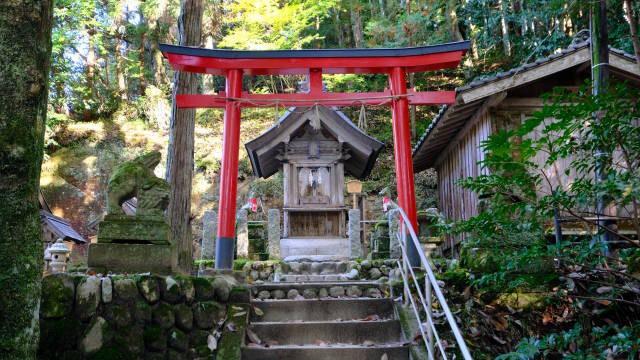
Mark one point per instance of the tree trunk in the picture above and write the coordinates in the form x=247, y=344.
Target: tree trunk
x=25, y=40
x=504, y=25
x=142, y=85
x=338, y=27
x=633, y=28
x=122, y=83
x=181, y=142
x=452, y=17
x=356, y=24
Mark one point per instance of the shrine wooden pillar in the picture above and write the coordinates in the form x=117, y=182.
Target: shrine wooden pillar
x=402, y=153
x=229, y=171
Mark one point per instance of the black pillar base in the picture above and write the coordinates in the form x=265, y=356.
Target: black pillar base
x=224, y=252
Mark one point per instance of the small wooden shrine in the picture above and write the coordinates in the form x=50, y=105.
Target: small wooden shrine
x=313, y=147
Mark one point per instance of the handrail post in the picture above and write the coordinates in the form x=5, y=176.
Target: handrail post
x=427, y=295
x=405, y=263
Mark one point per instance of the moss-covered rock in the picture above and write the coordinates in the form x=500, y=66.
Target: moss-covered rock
x=125, y=289
x=155, y=338
x=57, y=296
x=142, y=312
x=111, y=353
x=522, y=300
x=184, y=317
x=223, y=285
x=178, y=340
x=118, y=315
x=106, y=285
x=87, y=297
x=96, y=336
x=171, y=290
x=207, y=313
x=148, y=287
x=198, y=338
x=154, y=356
x=240, y=294
x=131, y=340
x=176, y=355
x=163, y=315
x=204, y=289
x=189, y=291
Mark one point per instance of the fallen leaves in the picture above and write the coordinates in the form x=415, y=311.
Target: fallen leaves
x=253, y=337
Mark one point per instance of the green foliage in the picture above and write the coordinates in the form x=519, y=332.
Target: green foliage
x=238, y=264
x=602, y=342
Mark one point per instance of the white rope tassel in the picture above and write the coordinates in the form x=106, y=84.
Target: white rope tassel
x=362, y=119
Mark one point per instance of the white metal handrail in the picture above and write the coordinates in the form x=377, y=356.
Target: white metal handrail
x=429, y=333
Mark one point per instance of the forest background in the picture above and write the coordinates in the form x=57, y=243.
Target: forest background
x=110, y=100
x=110, y=88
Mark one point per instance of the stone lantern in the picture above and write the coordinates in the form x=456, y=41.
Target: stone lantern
x=59, y=253
x=47, y=258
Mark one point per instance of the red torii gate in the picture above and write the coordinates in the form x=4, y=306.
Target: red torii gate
x=233, y=64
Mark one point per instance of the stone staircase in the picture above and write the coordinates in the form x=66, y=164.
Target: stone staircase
x=319, y=312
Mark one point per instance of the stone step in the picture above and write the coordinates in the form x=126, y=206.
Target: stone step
x=325, y=309
x=319, y=352
x=316, y=258
x=317, y=278
x=306, y=267
x=313, y=290
x=328, y=332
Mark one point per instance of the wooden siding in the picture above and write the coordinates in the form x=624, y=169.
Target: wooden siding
x=462, y=161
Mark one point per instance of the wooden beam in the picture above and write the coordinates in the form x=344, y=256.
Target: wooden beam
x=527, y=75
x=623, y=63
x=492, y=101
x=522, y=103
x=188, y=101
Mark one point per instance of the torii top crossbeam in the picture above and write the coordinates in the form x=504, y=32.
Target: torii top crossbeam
x=234, y=64
x=315, y=63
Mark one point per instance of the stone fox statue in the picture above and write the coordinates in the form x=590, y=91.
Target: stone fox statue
x=135, y=178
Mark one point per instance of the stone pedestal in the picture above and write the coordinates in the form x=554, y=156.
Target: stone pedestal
x=131, y=244
x=130, y=258
x=273, y=233
x=242, y=234
x=140, y=229
x=353, y=232
x=209, y=230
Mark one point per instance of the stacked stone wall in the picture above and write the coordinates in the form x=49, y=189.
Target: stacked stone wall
x=141, y=317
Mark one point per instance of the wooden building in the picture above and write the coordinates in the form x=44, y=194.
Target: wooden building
x=452, y=142
x=314, y=148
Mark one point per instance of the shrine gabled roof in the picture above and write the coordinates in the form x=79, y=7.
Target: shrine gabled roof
x=451, y=119
x=60, y=227
x=263, y=151
x=331, y=61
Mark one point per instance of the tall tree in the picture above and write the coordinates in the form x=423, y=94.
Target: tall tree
x=119, y=30
x=356, y=23
x=25, y=40
x=181, y=142
x=632, y=19
x=600, y=79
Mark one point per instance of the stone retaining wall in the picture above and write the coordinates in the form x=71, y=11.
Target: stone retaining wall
x=140, y=316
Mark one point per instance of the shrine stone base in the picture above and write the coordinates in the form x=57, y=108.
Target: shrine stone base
x=140, y=229
x=130, y=258
x=308, y=246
